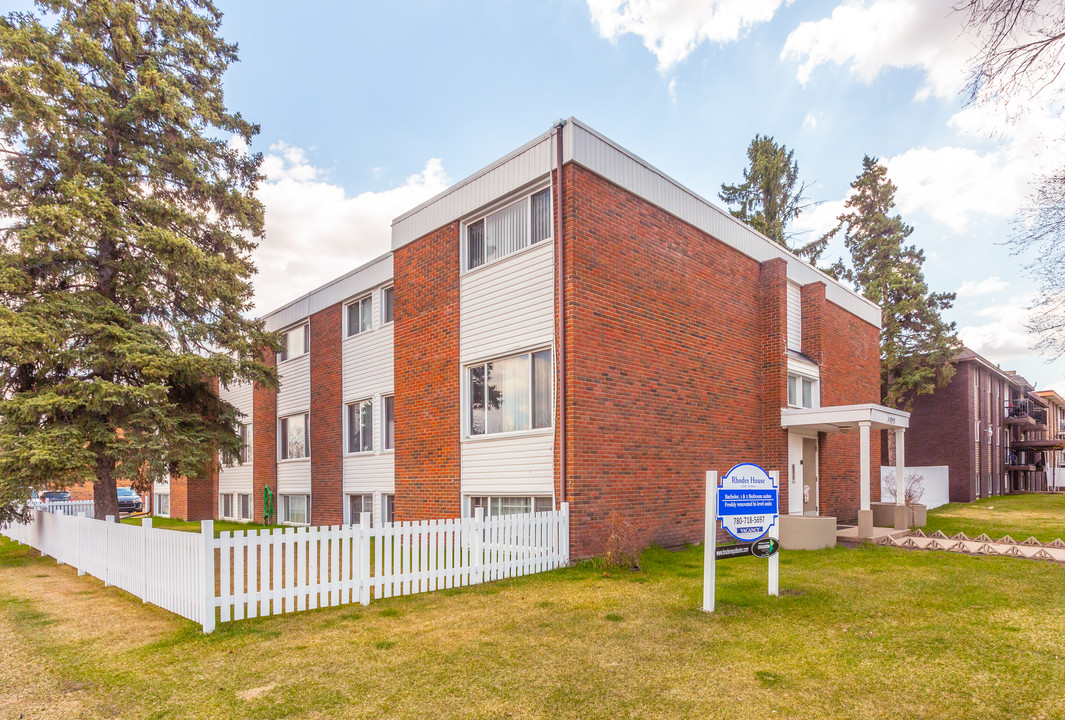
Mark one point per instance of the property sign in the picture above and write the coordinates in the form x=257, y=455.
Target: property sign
x=748, y=502
x=764, y=548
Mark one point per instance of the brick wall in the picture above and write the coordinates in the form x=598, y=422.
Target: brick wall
x=664, y=363
x=327, y=470
x=941, y=432
x=264, y=438
x=427, y=376
x=773, y=311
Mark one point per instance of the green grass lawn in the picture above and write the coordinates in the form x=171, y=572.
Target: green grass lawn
x=220, y=526
x=1020, y=516
x=872, y=632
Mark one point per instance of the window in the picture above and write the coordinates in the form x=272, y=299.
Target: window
x=294, y=438
x=510, y=394
x=360, y=315
x=360, y=426
x=495, y=506
x=358, y=504
x=295, y=509
x=225, y=505
x=245, y=436
x=509, y=229
x=802, y=392
x=295, y=342
x=388, y=508
x=388, y=301
x=245, y=506
x=162, y=504
x=389, y=429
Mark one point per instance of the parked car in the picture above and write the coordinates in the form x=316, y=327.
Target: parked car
x=55, y=496
x=129, y=501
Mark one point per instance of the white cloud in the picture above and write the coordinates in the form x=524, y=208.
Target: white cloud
x=1003, y=338
x=811, y=120
x=814, y=222
x=672, y=29
x=673, y=91
x=971, y=288
x=870, y=37
x=316, y=231
x=1058, y=387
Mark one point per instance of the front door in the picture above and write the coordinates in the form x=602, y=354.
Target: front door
x=810, y=504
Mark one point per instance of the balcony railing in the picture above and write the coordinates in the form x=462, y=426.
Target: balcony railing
x=1025, y=408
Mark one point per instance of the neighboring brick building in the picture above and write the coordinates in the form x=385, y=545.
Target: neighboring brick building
x=428, y=383
x=986, y=426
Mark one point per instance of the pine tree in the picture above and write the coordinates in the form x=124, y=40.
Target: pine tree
x=917, y=346
x=771, y=195
x=125, y=255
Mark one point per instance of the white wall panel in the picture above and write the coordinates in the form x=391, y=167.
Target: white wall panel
x=369, y=473
x=508, y=305
x=294, y=477
x=235, y=479
x=368, y=359
x=240, y=396
x=294, y=394
x=508, y=465
x=794, y=317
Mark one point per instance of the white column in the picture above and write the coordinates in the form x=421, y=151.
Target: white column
x=710, y=542
x=900, y=466
x=863, y=431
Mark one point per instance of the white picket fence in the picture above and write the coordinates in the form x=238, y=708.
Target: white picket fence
x=64, y=507
x=251, y=573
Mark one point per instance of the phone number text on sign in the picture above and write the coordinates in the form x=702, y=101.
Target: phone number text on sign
x=748, y=502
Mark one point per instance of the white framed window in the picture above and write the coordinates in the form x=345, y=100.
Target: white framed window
x=388, y=508
x=359, y=503
x=498, y=505
x=245, y=443
x=295, y=342
x=293, y=437
x=388, y=303
x=225, y=506
x=360, y=315
x=388, y=422
x=803, y=392
x=162, y=504
x=509, y=394
x=244, y=507
x=509, y=229
x=295, y=509
x=360, y=426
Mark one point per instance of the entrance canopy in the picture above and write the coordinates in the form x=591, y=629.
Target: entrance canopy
x=866, y=418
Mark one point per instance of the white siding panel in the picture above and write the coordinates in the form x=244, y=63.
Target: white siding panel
x=294, y=477
x=240, y=396
x=294, y=394
x=235, y=479
x=509, y=465
x=794, y=317
x=508, y=305
x=369, y=473
x=368, y=359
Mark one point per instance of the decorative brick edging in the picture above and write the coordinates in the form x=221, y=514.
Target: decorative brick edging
x=1030, y=549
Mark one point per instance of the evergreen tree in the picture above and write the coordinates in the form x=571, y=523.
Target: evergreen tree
x=125, y=251
x=771, y=195
x=917, y=347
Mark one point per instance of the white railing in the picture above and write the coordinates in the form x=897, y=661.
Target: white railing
x=282, y=570
x=64, y=507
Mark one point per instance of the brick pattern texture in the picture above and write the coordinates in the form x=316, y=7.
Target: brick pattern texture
x=264, y=437
x=327, y=465
x=426, y=347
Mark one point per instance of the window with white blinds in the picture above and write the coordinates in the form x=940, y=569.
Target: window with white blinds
x=509, y=229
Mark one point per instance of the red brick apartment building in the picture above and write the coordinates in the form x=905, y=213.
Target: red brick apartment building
x=567, y=323
x=990, y=429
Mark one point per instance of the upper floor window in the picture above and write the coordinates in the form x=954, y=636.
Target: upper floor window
x=388, y=301
x=293, y=437
x=389, y=429
x=360, y=426
x=802, y=392
x=510, y=394
x=360, y=315
x=509, y=229
x=296, y=342
x=245, y=441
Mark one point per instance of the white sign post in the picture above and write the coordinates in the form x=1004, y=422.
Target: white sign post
x=748, y=503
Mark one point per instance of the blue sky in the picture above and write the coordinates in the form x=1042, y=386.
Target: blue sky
x=367, y=109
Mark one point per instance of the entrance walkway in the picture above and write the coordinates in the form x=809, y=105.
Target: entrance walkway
x=848, y=534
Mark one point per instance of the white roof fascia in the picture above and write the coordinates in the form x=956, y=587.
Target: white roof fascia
x=365, y=277
x=532, y=161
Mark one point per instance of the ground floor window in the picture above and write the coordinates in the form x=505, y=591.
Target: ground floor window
x=244, y=506
x=388, y=508
x=162, y=504
x=294, y=509
x=357, y=505
x=497, y=505
x=225, y=506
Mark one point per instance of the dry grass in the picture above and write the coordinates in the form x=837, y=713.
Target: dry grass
x=1020, y=516
x=868, y=633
